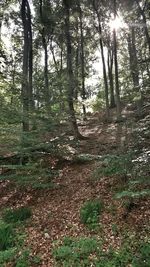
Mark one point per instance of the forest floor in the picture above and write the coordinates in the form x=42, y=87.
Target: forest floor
x=56, y=211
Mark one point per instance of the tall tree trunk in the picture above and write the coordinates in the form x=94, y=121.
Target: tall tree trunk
x=141, y=11
x=30, y=58
x=25, y=82
x=77, y=63
x=45, y=47
x=82, y=61
x=103, y=60
x=70, y=69
x=59, y=73
x=134, y=66
x=111, y=79
x=117, y=90
x=133, y=58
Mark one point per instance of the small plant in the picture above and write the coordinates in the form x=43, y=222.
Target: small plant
x=90, y=212
x=7, y=255
x=7, y=237
x=76, y=252
x=114, y=229
x=87, y=252
x=17, y=215
x=114, y=165
x=143, y=258
x=23, y=260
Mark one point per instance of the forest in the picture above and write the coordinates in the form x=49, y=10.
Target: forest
x=75, y=133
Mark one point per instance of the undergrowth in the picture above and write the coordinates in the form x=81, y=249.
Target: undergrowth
x=114, y=165
x=85, y=252
x=12, y=239
x=17, y=215
x=7, y=236
x=90, y=212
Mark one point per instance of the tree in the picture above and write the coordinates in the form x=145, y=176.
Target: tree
x=96, y=9
x=27, y=63
x=110, y=61
x=116, y=68
x=144, y=19
x=82, y=60
x=70, y=76
x=43, y=6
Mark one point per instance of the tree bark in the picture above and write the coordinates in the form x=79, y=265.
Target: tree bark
x=141, y=11
x=103, y=60
x=30, y=58
x=133, y=58
x=134, y=66
x=117, y=90
x=111, y=79
x=26, y=92
x=82, y=61
x=70, y=75
x=25, y=82
x=45, y=47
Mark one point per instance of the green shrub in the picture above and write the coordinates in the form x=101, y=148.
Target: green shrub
x=75, y=252
x=114, y=165
x=7, y=255
x=23, y=260
x=85, y=252
x=7, y=237
x=90, y=212
x=20, y=214
x=143, y=258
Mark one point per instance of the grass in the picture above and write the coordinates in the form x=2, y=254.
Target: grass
x=90, y=211
x=114, y=165
x=7, y=237
x=75, y=252
x=17, y=215
x=7, y=255
x=25, y=260
x=85, y=252
x=11, y=248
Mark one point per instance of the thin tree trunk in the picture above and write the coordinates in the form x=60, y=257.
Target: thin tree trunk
x=44, y=43
x=59, y=73
x=141, y=11
x=103, y=61
x=25, y=82
x=77, y=63
x=104, y=76
x=117, y=90
x=70, y=70
x=133, y=59
x=134, y=66
x=111, y=79
x=30, y=58
x=82, y=61
x=53, y=55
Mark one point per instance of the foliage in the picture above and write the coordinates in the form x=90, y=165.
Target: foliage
x=90, y=211
x=114, y=165
x=7, y=237
x=137, y=186
x=17, y=215
x=7, y=255
x=143, y=258
x=75, y=252
x=25, y=259
x=88, y=252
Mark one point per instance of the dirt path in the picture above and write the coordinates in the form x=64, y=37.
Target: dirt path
x=56, y=212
